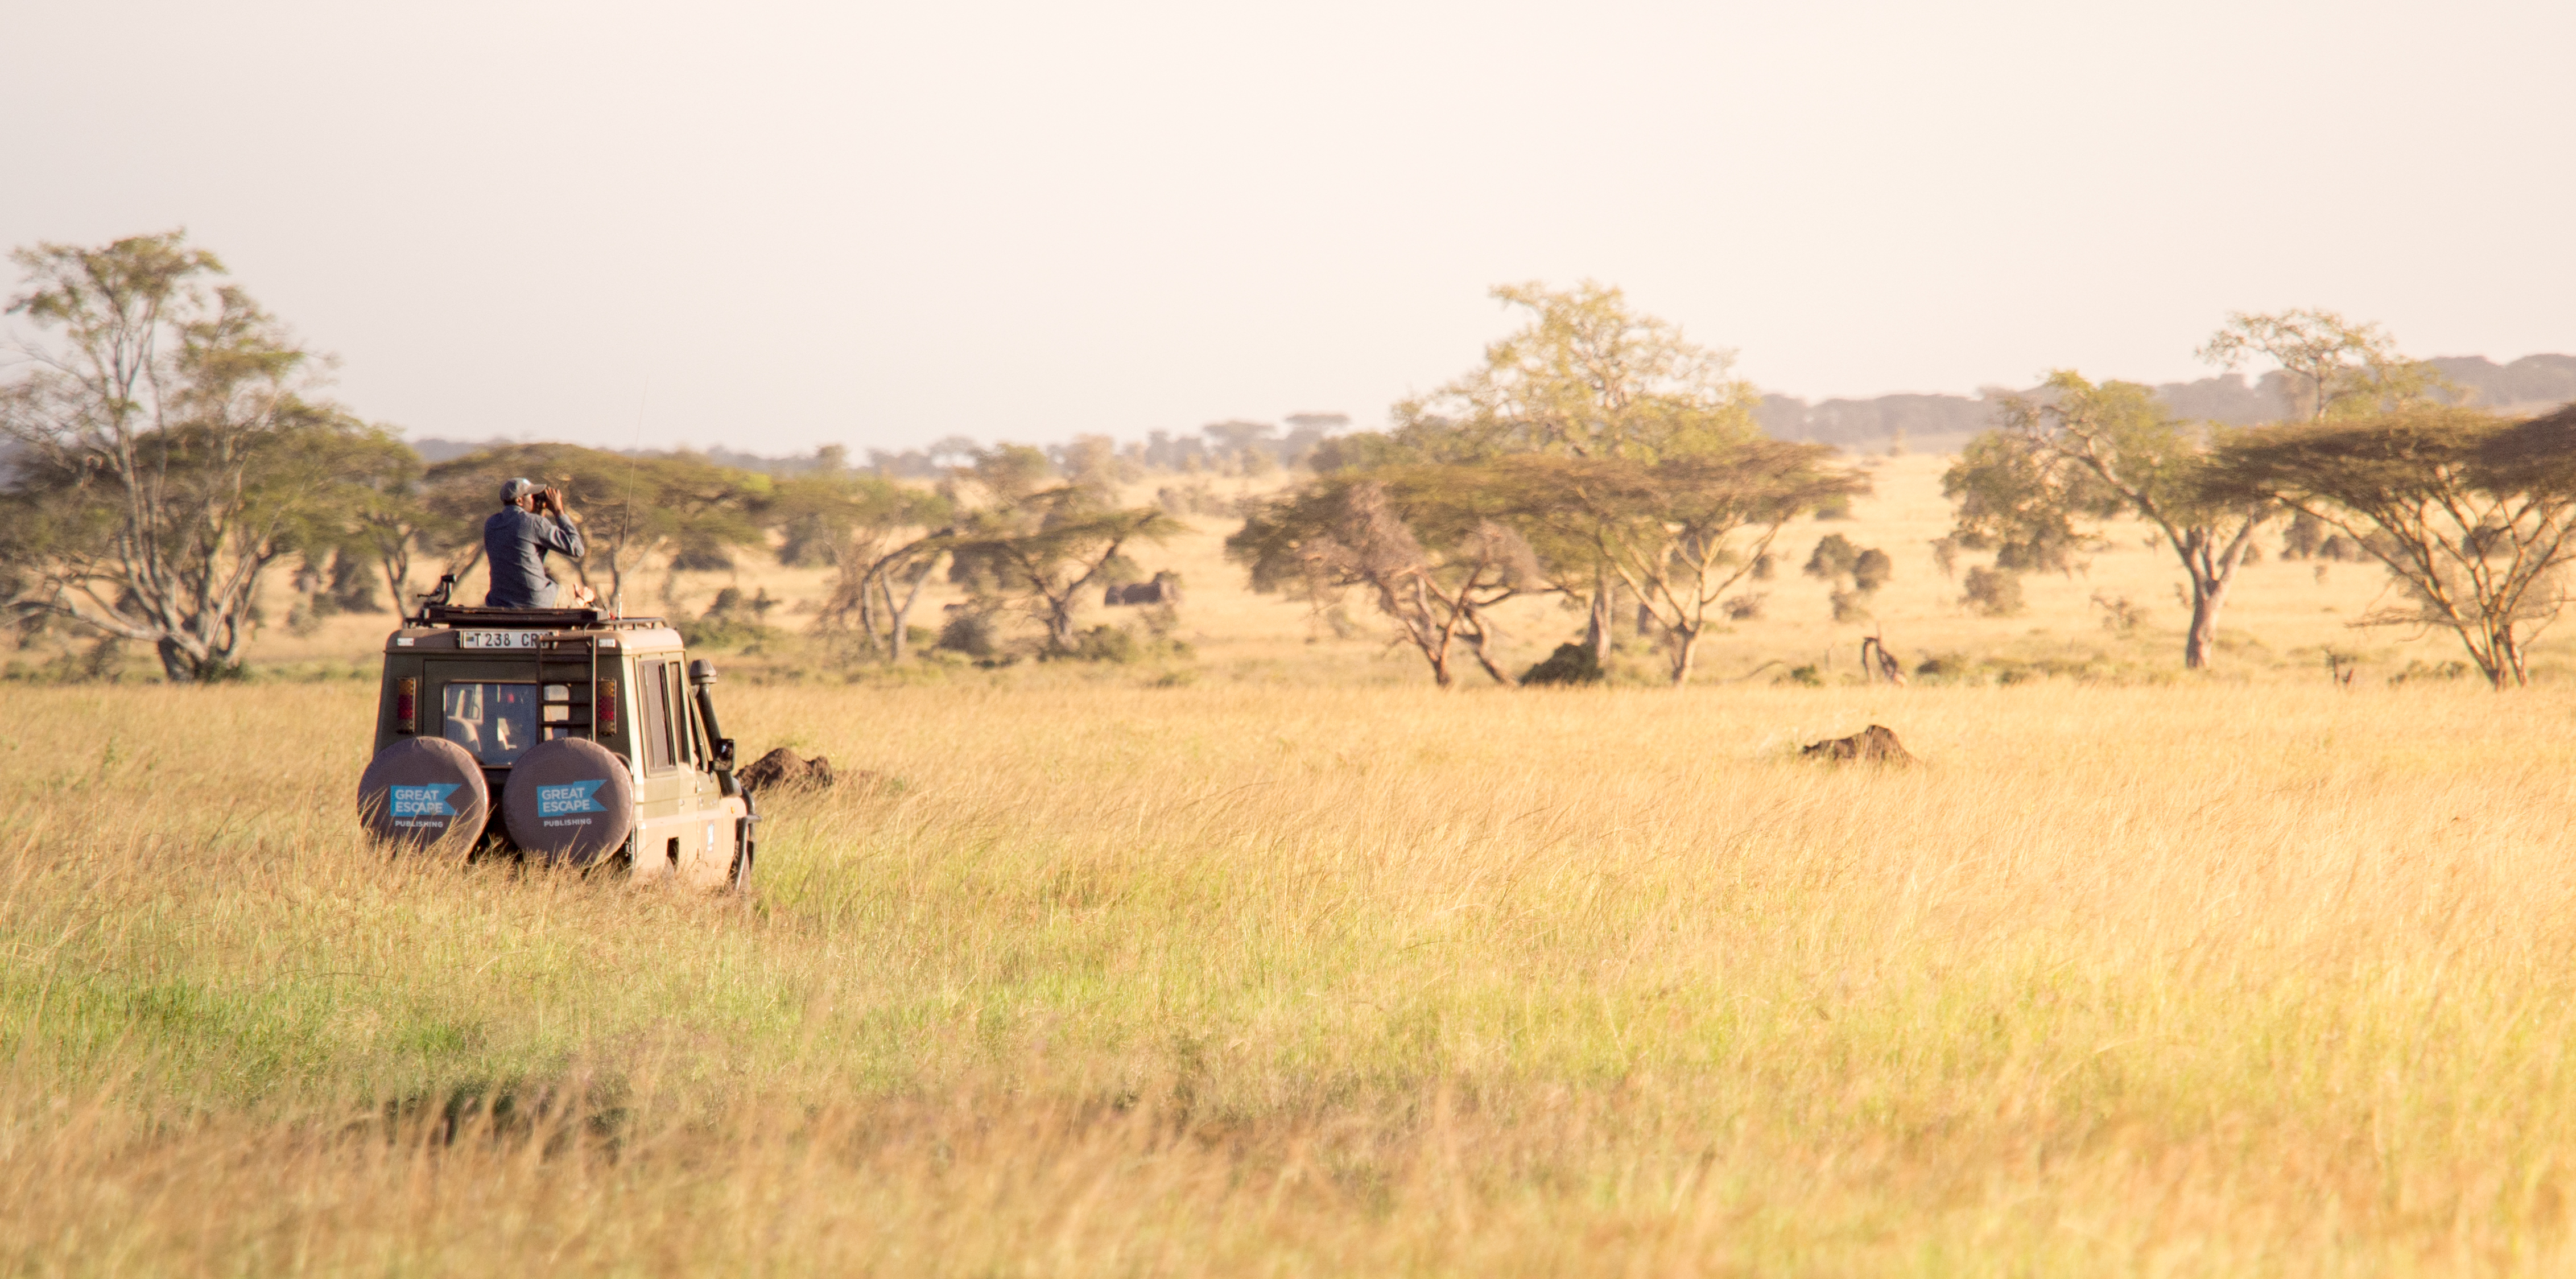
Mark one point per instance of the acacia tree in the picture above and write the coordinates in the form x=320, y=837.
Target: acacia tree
x=1039, y=545
x=1421, y=541
x=1586, y=377
x=1680, y=532
x=2474, y=516
x=2078, y=451
x=167, y=450
x=880, y=536
x=2335, y=368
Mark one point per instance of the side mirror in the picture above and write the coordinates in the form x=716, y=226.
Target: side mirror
x=724, y=753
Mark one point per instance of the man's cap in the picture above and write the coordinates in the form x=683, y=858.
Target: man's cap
x=513, y=490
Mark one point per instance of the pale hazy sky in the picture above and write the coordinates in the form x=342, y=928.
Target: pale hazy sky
x=774, y=226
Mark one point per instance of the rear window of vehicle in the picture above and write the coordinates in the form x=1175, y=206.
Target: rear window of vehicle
x=497, y=722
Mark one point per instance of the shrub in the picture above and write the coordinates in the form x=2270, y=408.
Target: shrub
x=1850, y=606
x=968, y=633
x=1871, y=570
x=1746, y=607
x=1105, y=643
x=1833, y=556
x=730, y=621
x=1993, y=592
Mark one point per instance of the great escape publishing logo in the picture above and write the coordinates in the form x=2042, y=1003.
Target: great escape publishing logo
x=423, y=801
x=571, y=797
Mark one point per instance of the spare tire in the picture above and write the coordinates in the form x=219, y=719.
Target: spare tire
x=569, y=800
x=421, y=790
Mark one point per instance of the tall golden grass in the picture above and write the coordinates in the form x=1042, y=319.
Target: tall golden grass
x=1240, y=979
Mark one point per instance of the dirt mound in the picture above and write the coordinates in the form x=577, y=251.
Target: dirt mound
x=780, y=769
x=1874, y=745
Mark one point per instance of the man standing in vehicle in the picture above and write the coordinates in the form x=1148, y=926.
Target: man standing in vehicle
x=532, y=521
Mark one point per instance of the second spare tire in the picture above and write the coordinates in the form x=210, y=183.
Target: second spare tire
x=570, y=801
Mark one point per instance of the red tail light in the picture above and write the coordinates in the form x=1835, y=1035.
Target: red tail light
x=407, y=705
x=604, y=710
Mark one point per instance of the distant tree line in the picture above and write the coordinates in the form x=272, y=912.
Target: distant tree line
x=2229, y=398
x=1229, y=448
x=168, y=445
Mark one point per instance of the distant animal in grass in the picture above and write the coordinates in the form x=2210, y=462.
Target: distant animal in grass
x=1875, y=744
x=1164, y=589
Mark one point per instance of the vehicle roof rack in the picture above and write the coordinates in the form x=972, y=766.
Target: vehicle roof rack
x=436, y=611
x=531, y=619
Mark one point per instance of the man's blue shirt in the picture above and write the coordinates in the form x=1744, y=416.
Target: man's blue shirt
x=516, y=541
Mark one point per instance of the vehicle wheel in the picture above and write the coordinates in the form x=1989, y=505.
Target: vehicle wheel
x=569, y=801
x=745, y=843
x=422, y=790
x=740, y=878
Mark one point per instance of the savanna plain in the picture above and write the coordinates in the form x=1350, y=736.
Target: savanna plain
x=1271, y=959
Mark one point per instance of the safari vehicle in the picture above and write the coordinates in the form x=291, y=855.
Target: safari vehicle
x=556, y=734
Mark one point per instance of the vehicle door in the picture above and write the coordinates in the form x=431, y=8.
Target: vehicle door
x=666, y=829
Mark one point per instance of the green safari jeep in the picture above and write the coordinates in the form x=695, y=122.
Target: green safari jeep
x=556, y=734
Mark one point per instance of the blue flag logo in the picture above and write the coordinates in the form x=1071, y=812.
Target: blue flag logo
x=423, y=801
x=571, y=797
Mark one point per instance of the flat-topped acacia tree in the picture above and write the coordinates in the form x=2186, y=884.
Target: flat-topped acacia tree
x=1422, y=541
x=1032, y=542
x=879, y=535
x=2474, y=515
x=1679, y=532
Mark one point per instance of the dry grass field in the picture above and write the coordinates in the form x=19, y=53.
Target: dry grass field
x=1274, y=961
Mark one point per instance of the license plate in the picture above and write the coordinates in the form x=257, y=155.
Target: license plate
x=500, y=639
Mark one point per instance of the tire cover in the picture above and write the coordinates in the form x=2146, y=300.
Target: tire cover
x=569, y=800
x=422, y=789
